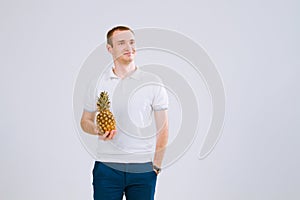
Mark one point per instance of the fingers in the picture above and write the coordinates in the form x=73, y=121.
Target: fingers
x=112, y=134
x=104, y=136
x=108, y=135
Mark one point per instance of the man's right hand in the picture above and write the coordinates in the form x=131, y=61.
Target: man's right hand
x=88, y=125
x=108, y=135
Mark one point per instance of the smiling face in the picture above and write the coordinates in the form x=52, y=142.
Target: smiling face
x=122, y=46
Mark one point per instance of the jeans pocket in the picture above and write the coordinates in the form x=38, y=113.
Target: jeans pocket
x=154, y=173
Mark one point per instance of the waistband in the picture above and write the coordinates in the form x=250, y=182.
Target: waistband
x=129, y=167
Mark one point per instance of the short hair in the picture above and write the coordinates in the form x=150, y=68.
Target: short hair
x=116, y=28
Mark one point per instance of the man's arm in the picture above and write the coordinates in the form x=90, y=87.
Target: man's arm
x=161, y=120
x=88, y=125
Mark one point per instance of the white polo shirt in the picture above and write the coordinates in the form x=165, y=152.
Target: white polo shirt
x=133, y=100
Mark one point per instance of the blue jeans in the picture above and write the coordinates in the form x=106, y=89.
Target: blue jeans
x=112, y=180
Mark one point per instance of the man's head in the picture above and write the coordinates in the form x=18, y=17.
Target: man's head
x=121, y=44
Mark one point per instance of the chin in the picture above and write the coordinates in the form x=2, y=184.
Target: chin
x=126, y=59
x=129, y=59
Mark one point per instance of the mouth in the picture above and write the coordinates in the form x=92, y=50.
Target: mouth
x=128, y=54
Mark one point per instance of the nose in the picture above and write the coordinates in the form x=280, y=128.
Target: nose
x=129, y=46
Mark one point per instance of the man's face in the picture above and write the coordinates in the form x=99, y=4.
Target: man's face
x=123, y=49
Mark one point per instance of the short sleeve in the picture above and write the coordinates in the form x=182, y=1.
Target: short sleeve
x=160, y=101
x=90, y=99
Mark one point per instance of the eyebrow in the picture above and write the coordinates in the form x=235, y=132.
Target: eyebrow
x=124, y=40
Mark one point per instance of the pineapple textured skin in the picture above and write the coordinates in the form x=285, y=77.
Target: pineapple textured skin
x=105, y=119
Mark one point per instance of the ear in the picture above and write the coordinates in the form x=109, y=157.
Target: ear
x=109, y=48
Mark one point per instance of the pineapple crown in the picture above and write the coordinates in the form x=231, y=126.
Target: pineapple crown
x=103, y=101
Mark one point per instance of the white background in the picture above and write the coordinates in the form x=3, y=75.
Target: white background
x=254, y=45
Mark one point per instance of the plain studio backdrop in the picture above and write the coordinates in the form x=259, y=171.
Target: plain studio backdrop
x=254, y=44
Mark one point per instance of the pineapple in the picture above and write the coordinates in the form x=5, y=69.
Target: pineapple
x=105, y=119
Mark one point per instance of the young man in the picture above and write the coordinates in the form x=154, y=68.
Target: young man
x=129, y=158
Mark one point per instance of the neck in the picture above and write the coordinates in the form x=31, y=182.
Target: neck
x=123, y=70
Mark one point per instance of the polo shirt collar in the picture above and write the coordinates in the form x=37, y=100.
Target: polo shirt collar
x=112, y=74
x=134, y=75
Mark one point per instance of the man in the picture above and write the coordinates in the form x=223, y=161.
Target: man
x=129, y=158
